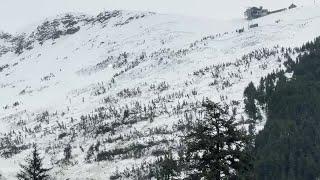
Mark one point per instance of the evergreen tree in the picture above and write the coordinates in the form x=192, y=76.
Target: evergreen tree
x=166, y=167
x=261, y=94
x=215, y=145
x=34, y=169
x=250, y=94
x=67, y=152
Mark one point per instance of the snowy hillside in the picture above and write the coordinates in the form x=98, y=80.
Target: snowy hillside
x=115, y=86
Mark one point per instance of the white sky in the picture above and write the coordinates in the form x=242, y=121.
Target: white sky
x=16, y=14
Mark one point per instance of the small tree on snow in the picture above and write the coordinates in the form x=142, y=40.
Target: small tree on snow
x=34, y=169
x=67, y=153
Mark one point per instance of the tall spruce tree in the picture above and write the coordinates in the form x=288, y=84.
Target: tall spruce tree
x=250, y=107
x=67, y=153
x=34, y=169
x=215, y=145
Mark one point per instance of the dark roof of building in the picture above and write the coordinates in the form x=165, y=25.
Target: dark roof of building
x=255, y=8
x=292, y=6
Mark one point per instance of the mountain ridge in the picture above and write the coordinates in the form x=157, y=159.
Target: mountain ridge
x=126, y=79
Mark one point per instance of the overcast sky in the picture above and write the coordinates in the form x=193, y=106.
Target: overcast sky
x=16, y=14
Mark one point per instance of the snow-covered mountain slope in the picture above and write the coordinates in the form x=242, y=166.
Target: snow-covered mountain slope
x=115, y=86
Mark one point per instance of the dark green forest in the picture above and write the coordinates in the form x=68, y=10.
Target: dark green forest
x=288, y=148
